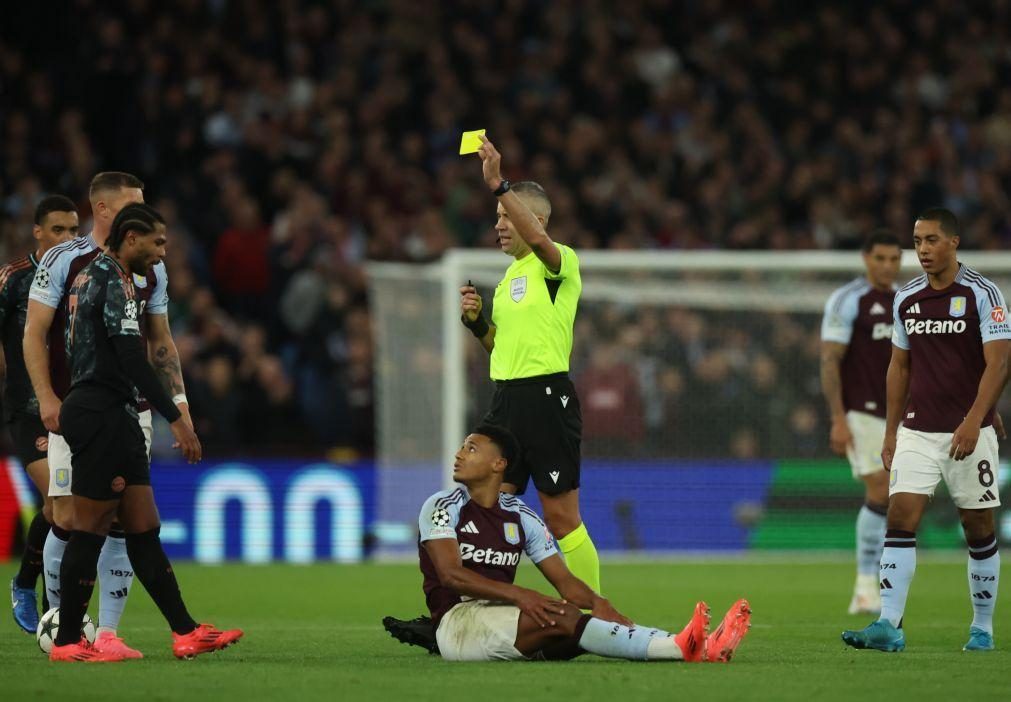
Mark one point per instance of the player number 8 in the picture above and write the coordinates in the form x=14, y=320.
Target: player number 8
x=985, y=474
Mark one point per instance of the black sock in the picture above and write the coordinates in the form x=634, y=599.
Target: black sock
x=31, y=559
x=152, y=568
x=77, y=580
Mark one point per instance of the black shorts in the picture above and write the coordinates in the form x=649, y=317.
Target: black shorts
x=30, y=436
x=543, y=413
x=107, y=447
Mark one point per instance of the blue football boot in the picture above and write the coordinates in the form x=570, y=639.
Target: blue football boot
x=25, y=606
x=880, y=635
x=979, y=640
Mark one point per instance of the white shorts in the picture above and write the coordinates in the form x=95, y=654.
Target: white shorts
x=921, y=461
x=479, y=630
x=61, y=469
x=868, y=435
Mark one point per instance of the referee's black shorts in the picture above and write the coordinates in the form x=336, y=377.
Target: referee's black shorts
x=543, y=413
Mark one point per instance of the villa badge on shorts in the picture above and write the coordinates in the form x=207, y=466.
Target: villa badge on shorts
x=512, y=533
x=957, y=308
x=62, y=477
x=518, y=288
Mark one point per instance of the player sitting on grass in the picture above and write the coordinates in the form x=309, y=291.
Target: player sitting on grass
x=470, y=546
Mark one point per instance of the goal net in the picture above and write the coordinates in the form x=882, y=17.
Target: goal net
x=704, y=428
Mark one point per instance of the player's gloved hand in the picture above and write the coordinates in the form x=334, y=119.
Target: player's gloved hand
x=840, y=438
x=998, y=426
x=470, y=303
x=602, y=609
x=963, y=441
x=888, y=451
x=186, y=441
x=542, y=609
x=49, y=410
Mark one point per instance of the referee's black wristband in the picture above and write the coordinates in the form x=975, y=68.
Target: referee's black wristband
x=479, y=327
x=502, y=189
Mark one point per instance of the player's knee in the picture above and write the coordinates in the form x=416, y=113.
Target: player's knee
x=566, y=623
x=47, y=511
x=977, y=523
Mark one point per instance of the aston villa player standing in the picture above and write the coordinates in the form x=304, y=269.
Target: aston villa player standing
x=948, y=368
x=856, y=334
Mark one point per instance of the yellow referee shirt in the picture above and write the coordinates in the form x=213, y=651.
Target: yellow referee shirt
x=533, y=313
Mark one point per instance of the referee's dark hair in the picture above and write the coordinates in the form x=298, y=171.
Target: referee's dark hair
x=507, y=444
x=880, y=237
x=944, y=217
x=53, y=203
x=136, y=217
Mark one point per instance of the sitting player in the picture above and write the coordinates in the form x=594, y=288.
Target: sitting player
x=470, y=546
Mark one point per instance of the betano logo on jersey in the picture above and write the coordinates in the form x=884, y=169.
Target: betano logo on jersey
x=934, y=326
x=488, y=556
x=881, y=330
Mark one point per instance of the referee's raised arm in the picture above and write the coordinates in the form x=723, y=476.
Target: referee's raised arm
x=527, y=224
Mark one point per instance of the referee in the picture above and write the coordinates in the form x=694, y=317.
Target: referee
x=530, y=341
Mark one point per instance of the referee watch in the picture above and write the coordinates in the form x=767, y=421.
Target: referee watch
x=502, y=189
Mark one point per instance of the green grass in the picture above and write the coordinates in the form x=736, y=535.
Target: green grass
x=314, y=633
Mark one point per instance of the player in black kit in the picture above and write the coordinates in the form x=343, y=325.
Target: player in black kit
x=56, y=221
x=111, y=476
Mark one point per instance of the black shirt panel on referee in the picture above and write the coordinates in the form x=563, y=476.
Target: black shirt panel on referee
x=21, y=407
x=99, y=415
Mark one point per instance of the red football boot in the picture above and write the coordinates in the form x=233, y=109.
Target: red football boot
x=204, y=639
x=82, y=652
x=720, y=646
x=692, y=639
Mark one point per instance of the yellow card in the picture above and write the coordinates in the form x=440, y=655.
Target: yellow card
x=469, y=142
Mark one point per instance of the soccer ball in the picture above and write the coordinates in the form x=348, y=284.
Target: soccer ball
x=50, y=624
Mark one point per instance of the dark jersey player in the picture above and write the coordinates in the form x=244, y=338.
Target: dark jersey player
x=56, y=221
x=471, y=542
x=949, y=366
x=856, y=345
x=111, y=478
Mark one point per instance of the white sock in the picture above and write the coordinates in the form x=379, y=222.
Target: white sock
x=115, y=577
x=52, y=557
x=898, y=564
x=636, y=644
x=984, y=576
x=870, y=540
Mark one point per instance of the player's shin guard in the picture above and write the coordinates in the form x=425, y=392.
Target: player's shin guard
x=870, y=538
x=618, y=641
x=898, y=564
x=581, y=556
x=115, y=577
x=984, y=576
x=31, y=560
x=154, y=571
x=77, y=575
x=52, y=556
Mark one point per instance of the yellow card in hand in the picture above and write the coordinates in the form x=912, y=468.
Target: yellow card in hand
x=469, y=142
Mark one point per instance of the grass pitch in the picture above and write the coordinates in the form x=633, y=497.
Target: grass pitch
x=314, y=633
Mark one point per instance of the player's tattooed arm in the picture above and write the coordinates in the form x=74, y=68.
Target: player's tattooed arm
x=164, y=355
x=831, y=387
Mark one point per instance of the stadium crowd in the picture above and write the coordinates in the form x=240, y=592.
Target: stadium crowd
x=289, y=142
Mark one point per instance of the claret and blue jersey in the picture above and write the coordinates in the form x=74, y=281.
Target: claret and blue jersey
x=490, y=540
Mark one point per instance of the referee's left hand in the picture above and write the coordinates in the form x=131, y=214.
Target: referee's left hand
x=963, y=441
x=491, y=163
